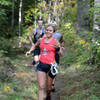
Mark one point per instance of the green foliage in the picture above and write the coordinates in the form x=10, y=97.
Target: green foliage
x=6, y=45
x=80, y=48
x=34, y=13
x=5, y=2
x=69, y=33
x=95, y=49
x=2, y=53
x=3, y=17
x=69, y=11
x=25, y=34
x=94, y=97
x=79, y=96
x=70, y=58
x=4, y=11
x=94, y=9
x=29, y=15
x=86, y=83
x=6, y=70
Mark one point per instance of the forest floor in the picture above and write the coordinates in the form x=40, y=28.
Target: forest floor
x=20, y=81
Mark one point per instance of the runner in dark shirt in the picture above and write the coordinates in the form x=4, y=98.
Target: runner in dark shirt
x=37, y=33
x=58, y=36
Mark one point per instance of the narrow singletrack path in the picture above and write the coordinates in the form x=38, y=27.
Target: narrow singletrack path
x=59, y=86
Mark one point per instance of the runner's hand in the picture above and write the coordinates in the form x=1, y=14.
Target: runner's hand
x=57, y=44
x=27, y=53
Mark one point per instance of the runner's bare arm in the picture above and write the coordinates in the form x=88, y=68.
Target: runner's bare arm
x=57, y=45
x=33, y=47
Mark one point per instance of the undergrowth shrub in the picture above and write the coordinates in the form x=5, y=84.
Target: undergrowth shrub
x=7, y=70
x=5, y=44
x=80, y=47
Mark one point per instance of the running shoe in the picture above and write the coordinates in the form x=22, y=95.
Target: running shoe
x=48, y=96
x=53, y=88
x=33, y=62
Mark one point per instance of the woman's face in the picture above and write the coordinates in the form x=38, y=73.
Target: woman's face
x=40, y=24
x=49, y=31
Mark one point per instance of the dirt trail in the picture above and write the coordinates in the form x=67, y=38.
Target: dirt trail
x=59, y=86
x=70, y=72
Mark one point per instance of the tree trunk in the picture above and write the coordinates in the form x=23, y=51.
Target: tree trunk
x=96, y=20
x=82, y=16
x=57, y=13
x=12, y=21
x=20, y=21
x=49, y=18
x=54, y=8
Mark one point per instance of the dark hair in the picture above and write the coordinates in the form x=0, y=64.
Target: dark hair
x=40, y=20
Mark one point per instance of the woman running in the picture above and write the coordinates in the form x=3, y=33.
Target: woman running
x=48, y=47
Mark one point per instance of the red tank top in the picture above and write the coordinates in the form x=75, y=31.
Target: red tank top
x=48, y=50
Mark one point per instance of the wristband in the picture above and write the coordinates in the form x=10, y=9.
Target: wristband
x=57, y=49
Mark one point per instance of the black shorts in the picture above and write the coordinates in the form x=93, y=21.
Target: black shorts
x=36, y=52
x=43, y=67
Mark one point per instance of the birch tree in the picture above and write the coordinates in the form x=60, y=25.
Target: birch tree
x=96, y=19
x=49, y=17
x=20, y=20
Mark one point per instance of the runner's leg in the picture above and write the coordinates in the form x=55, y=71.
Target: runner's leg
x=36, y=58
x=49, y=83
x=41, y=76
